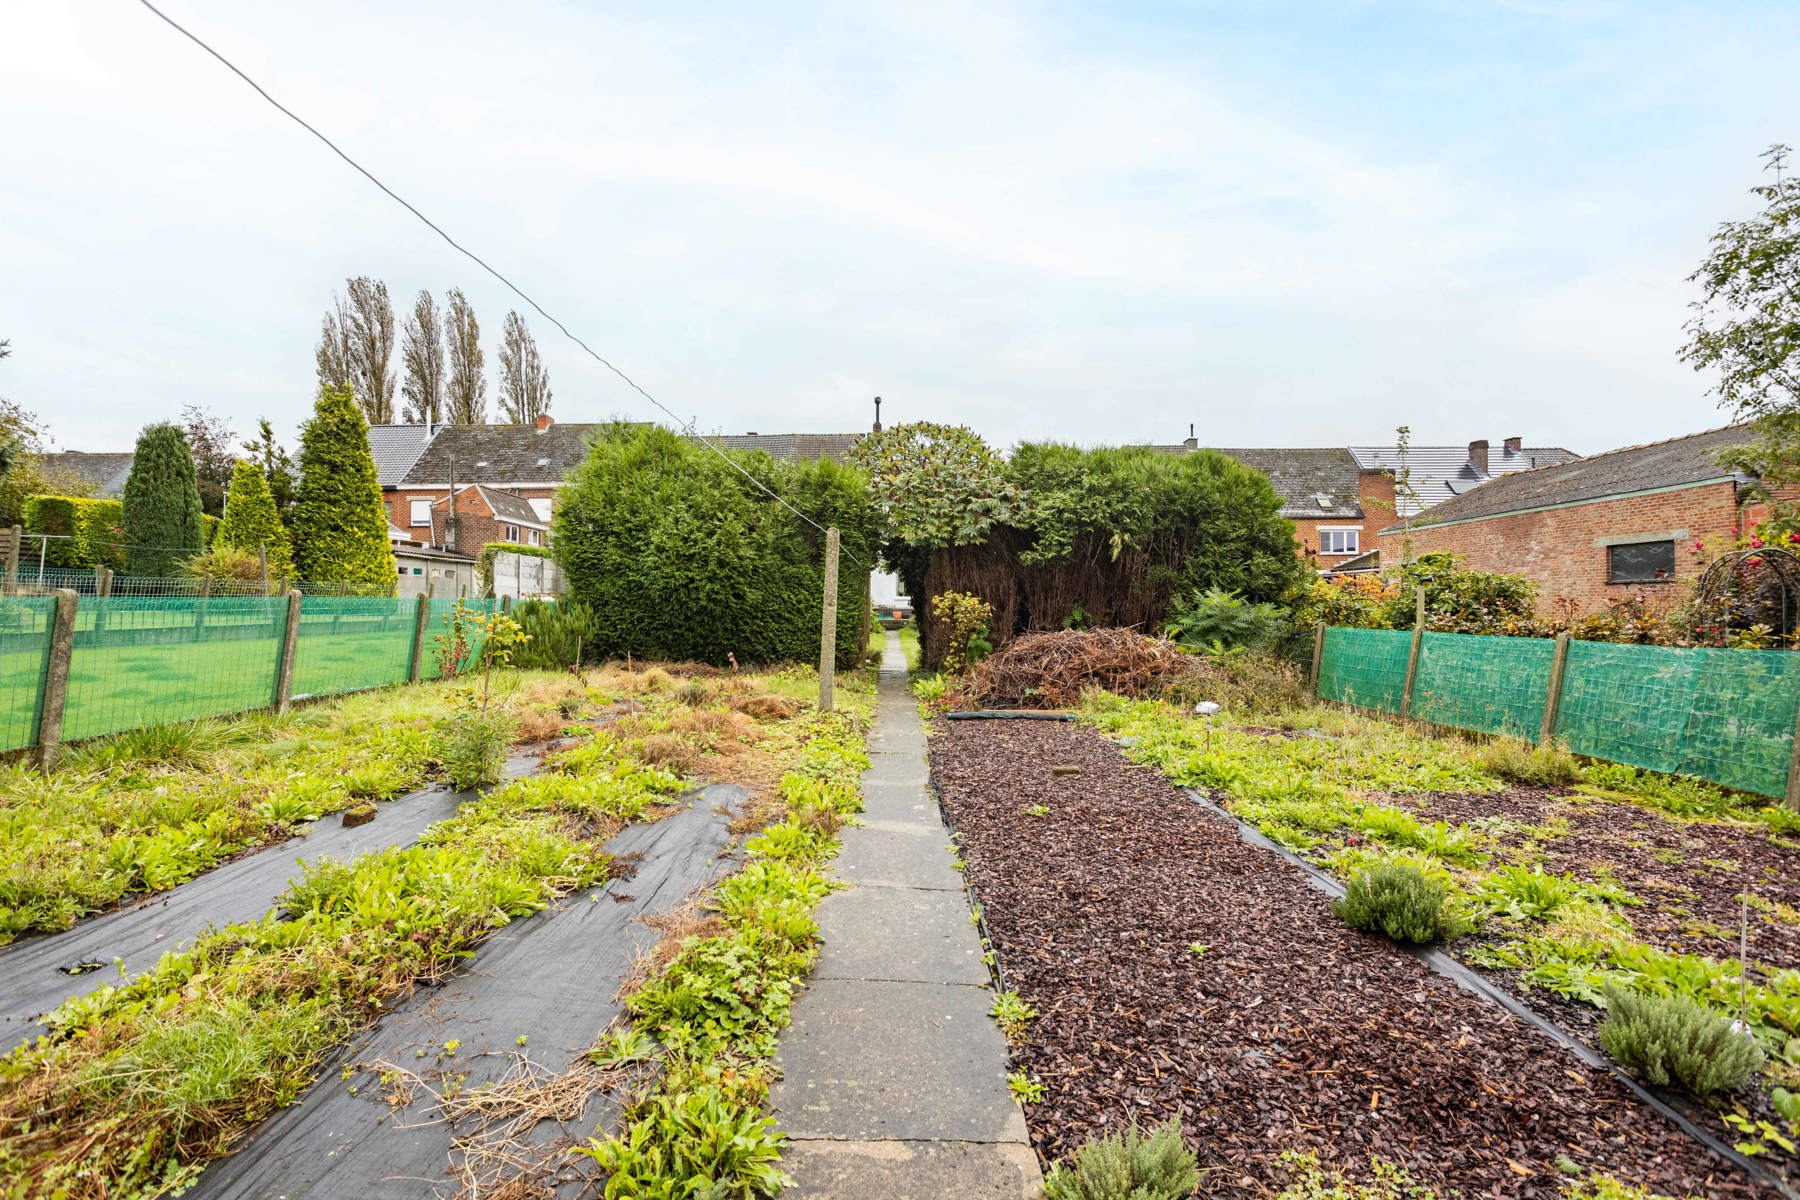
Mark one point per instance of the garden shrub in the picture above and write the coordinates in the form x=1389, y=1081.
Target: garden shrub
x=83, y=532
x=251, y=521
x=1218, y=620
x=161, y=524
x=966, y=616
x=560, y=633
x=1672, y=1040
x=225, y=562
x=1537, y=766
x=471, y=746
x=340, y=522
x=681, y=557
x=1134, y=1165
x=1396, y=900
x=1459, y=600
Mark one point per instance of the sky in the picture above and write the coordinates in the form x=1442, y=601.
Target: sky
x=1286, y=224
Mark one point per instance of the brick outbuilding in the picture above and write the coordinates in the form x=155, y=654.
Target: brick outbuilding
x=1597, y=529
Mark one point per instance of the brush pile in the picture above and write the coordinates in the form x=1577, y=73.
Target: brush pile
x=1051, y=670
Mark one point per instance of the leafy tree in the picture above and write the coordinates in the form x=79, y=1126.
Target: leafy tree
x=422, y=352
x=251, y=521
x=340, y=524
x=356, y=344
x=162, y=503
x=29, y=475
x=209, y=438
x=679, y=556
x=465, y=389
x=937, y=485
x=277, y=468
x=524, y=384
x=1747, y=323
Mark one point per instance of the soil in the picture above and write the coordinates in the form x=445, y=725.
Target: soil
x=1180, y=972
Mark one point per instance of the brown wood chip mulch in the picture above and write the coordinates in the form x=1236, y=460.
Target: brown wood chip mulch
x=1288, y=1031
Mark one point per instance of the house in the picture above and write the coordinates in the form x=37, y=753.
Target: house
x=1594, y=529
x=106, y=471
x=1338, y=497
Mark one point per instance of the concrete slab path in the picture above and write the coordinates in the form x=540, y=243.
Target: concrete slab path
x=893, y=1077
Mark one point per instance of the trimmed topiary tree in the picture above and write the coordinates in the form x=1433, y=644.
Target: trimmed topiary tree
x=340, y=523
x=162, y=523
x=251, y=521
x=681, y=557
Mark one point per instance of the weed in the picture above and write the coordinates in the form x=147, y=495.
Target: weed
x=471, y=746
x=1024, y=1088
x=623, y=1047
x=1605, y=1187
x=1668, y=1039
x=703, y=1133
x=1013, y=1015
x=1536, y=766
x=1317, y=1182
x=1038, y=810
x=1133, y=1165
x=1396, y=900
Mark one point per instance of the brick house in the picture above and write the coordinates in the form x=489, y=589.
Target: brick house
x=1338, y=497
x=1596, y=529
x=503, y=478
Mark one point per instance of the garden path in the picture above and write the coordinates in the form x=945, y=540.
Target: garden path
x=893, y=1075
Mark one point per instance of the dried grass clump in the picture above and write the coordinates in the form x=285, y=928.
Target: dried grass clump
x=766, y=706
x=1052, y=670
x=538, y=723
x=688, y=920
x=669, y=750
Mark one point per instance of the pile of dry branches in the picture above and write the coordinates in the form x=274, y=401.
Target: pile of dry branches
x=1051, y=670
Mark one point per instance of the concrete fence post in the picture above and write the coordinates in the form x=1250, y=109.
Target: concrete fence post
x=15, y=540
x=1553, y=695
x=828, y=625
x=56, y=679
x=262, y=562
x=421, y=622
x=1412, y=655
x=284, y=666
x=1318, y=656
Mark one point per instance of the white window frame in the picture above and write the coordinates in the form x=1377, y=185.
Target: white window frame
x=413, y=514
x=1355, y=532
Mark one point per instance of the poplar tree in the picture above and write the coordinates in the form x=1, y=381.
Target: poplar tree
x=524, y=384
x=422, y=353
x=465, y=390
x=356, y=344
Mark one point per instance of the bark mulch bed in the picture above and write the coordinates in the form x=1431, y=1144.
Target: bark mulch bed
x=1280, y=1029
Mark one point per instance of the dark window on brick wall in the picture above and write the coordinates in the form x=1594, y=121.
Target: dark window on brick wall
x=1641, y=562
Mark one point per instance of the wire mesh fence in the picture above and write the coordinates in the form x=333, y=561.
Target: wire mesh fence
x=1723, y=715
x=136, y=661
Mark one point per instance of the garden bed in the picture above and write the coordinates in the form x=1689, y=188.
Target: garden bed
x=1179, y=972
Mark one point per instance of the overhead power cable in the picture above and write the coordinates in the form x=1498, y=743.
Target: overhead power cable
x=687, y=427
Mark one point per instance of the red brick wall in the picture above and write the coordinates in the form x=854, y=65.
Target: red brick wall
x=1558, y=547
x=1376, y=492
x=478, y=526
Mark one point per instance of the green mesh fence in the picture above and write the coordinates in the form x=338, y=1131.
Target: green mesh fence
x=24, y=652
x=347, y=644
x=1488, y=684
x=1723, y=715
x=1365, y=667
x=142, y=660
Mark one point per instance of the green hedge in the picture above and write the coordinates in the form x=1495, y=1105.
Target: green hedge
x=681, y=557
x=93, y=528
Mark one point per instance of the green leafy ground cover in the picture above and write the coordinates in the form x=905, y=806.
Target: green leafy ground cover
x=138, y=1085
x=1327, y=793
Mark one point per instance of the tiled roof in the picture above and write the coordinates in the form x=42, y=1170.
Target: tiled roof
x=1675, y=463
x=1439, y=472
x=395, y=449
x=508, y=455
x=106, y=470
x=515, y=510
x=792, y=446
x=1318, y=482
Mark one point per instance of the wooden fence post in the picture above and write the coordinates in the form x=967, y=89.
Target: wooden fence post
x=828, y=625
x=284, y=666
x=13, y=544
x=1553, y=696
x=56, y=679
x=421, y=621
x=1412, y=656
x=1318, y=656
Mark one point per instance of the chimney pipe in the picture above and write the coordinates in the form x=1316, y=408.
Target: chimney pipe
x=1515, y=445
x=1478, y=456
x=877, y=414
x=1192, y=443
x=544, y=422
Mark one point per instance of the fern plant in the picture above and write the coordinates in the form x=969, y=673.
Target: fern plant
x=1134, y=1165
